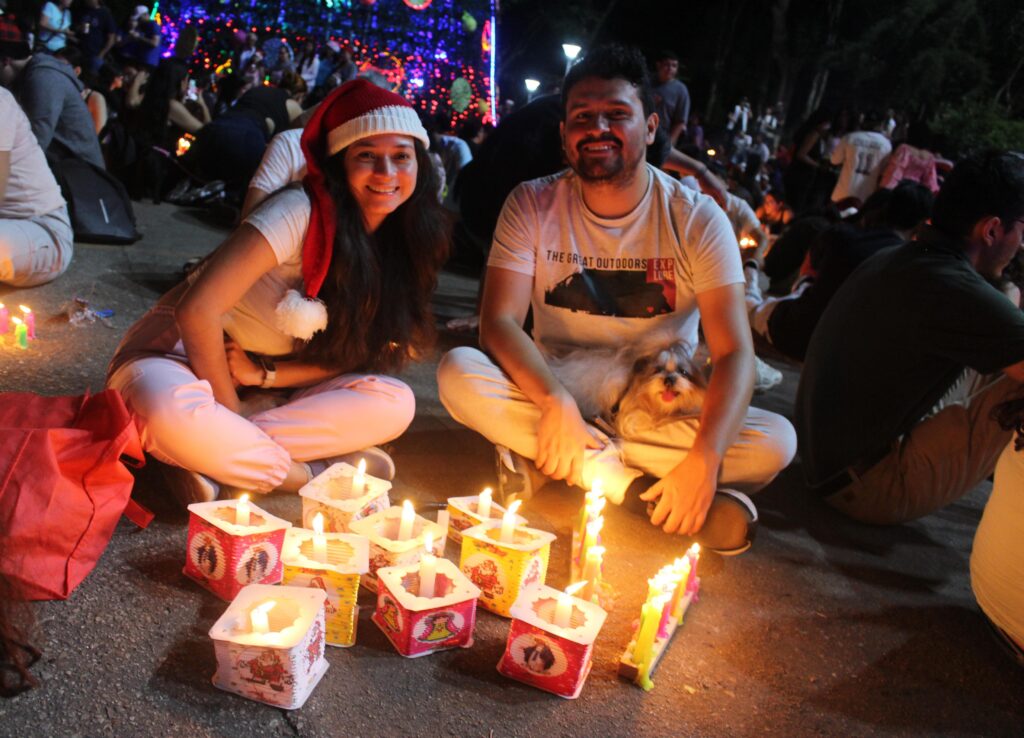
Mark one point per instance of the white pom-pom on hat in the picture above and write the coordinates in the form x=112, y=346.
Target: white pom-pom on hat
x=300, y=316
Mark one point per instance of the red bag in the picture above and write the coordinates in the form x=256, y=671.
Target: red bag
x=63, y=487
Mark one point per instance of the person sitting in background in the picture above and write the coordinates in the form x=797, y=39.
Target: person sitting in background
x=912, y=161
x=892, y=425
x=889, y=218
x=51, y=96
x=94, y=100
x=36, y=241
x=97, y=33
x=774, y=213
x=997, y=556
x=308, y=64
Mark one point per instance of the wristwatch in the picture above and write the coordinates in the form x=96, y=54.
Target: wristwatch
x=269, y=372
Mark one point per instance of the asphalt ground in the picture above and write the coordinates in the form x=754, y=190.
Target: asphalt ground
x=825, y=627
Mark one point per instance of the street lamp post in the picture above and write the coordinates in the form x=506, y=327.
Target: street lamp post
x=571, y=52
x=531, y=87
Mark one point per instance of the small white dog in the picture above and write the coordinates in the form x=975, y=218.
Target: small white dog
x=636, y=387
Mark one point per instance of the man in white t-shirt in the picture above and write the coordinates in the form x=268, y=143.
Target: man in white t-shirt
x=604, y=253
x=36, y=241
x=862, y=155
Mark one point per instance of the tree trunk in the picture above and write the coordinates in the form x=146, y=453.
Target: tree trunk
x=723, y=51
x=780, y=52
x=834, y=12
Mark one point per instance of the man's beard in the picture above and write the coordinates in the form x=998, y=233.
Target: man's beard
x=609, y=170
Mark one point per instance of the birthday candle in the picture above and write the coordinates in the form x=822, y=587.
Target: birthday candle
x=564, y=604
x=20, y=333
x=5, y=319
x=359, y=480
x=258, y=617
x=693, y=554
x=643, y=648
x=30, y=321
x=592, y=571
x=681, y=574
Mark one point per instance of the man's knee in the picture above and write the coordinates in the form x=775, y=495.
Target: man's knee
x=452, y=377
x=775, y=447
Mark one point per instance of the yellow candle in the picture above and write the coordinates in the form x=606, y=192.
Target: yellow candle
x=259, y=619
x=242, y=510
x=563, y=606
x=681, y=577
x=592, y=571
x=408, y=518
x=643, y=648
x=359, y=480
x=508, y=522
x=319, y=542
x=428, y=568
x=483, y=504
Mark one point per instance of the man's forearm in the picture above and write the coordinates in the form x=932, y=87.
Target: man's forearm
x=520, y=358
x=726, y=403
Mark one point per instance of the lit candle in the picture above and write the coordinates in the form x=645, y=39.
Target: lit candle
x=508, y=523
x=681, y=575
x=359, y=480
x=643, y=648
x=242, y=510
x=667, y=585
x=5, y=319
x=592, y=571
x=408, y=518
x=483, y=504
x=563, y=605
x=694, y=556
x=319, y=541
x=258, y=616
x=30, y=321
x=20, y=333
x=428, y=567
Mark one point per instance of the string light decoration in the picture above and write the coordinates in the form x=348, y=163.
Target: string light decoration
x=420, y=47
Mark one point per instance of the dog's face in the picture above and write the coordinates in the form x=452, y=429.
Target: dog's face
x=668, y=383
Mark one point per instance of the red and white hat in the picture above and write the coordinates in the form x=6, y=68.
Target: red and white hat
x=354, y=111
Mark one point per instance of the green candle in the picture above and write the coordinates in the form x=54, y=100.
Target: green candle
x=20, y=333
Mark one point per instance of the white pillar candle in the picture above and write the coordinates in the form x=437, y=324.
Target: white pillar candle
x=428, y=568
x=242, y=510
x=483, y=504
x=508, y=523
x=259, y=619
x=359, y=480
x=563, y=605
x=319, y=541
x=408, y=518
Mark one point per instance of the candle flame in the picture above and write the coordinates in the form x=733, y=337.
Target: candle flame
x=23, y=309
x=574, y=588
x=597, y=488
x=695, y=549
x=514, y=507
x=407, y=509
x=428, y=541
x=17, y=321
x=244, y=498
x=485, y=495
x=318, y=524
x=265, y=608
x=594, y=527
x=597, y=551
x=361, y=469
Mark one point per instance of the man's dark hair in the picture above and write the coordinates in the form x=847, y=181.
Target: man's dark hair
x=985, y=184
x=612, y=61
x=666, y=54
x=15, y=50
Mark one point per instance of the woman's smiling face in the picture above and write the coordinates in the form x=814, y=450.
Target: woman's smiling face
x=381, y=173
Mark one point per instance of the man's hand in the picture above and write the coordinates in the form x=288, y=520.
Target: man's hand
x=562, y=437
x=244, y=370
x=686, y=493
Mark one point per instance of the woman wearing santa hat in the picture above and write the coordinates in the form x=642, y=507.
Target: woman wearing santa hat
x=269, y=362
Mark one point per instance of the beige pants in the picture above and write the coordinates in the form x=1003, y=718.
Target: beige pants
x=942, y=458
x=481, y=396
x=37, y=250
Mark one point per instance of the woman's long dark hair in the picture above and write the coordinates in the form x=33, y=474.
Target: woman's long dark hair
x=379, y=285
x=164, y=85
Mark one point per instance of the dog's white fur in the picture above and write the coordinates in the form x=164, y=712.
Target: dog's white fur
x=635, y=387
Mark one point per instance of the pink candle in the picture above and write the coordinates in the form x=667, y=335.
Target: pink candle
x=5, y=319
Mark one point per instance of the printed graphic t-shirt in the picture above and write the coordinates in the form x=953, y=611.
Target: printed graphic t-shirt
x=600, y=281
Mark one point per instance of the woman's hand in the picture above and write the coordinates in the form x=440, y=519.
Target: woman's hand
x=244, y=371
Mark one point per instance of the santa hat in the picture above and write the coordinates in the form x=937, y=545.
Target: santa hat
x=354, y=111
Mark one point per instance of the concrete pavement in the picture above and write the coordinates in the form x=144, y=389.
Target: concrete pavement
x=824, y=628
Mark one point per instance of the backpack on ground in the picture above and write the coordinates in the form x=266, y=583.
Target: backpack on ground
x=98, y=203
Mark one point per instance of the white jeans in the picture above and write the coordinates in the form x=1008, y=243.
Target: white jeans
x=181, y=423
x=478, y=394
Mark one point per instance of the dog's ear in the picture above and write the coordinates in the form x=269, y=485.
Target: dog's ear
x=641, y=364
